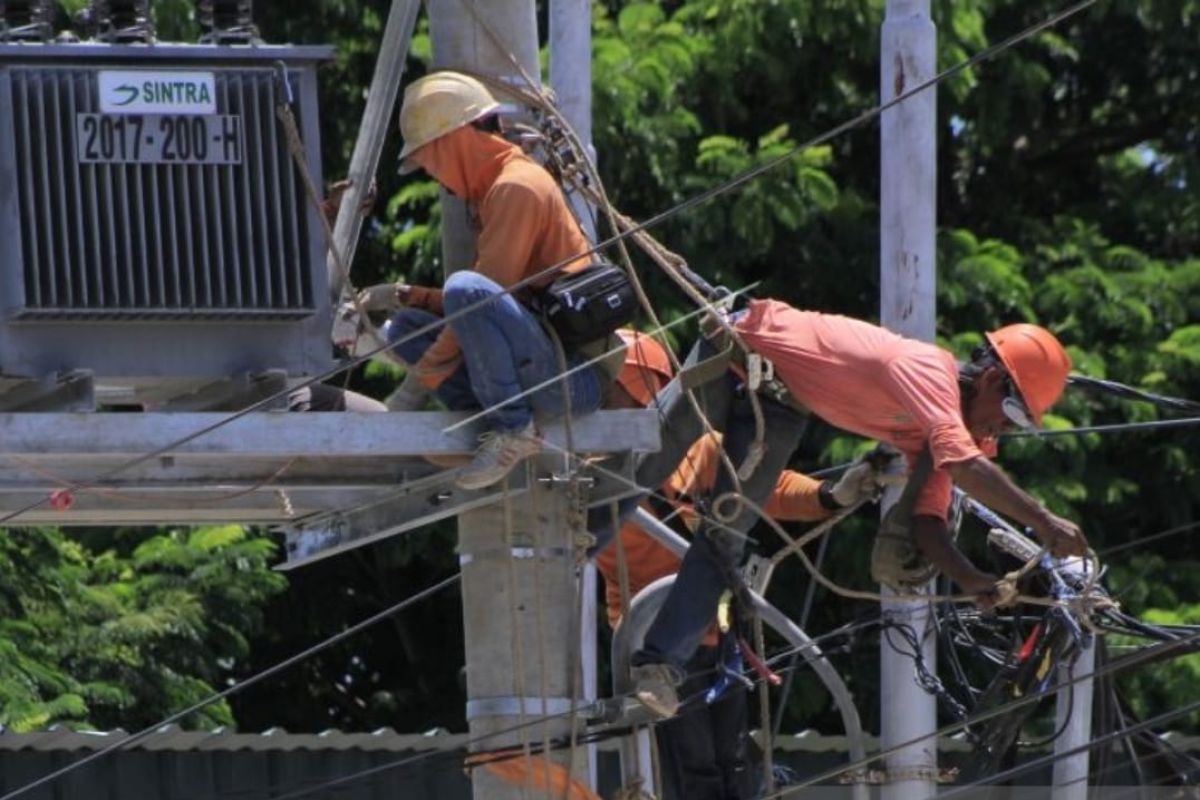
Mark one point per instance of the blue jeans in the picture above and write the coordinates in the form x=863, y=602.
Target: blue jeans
x=455, y=392
x=692, y=603
x=506, y=352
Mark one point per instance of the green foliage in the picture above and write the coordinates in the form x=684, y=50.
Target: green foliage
x=1068, y=169
x=105, y=639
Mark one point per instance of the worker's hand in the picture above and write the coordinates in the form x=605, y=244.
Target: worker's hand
x=1061, y=536
x=986, y=588
x=382, y=297
x=333, y=199
x=346, y=325
x=858, y=484
x=409, y=395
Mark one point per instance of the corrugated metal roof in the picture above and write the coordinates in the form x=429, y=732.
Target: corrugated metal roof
x=174, y=739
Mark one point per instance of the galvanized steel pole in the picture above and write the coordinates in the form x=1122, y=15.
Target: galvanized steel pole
x=908, y=198
x=517, y=563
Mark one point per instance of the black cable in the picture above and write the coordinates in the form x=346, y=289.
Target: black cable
x=1038, y=763
x=534, y=721
x=698, y=199
x=1101, y=385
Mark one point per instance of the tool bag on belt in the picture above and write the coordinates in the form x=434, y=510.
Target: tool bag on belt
x=589, y=304
x=895, y=559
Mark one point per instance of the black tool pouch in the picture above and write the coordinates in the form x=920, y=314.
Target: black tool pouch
x=589, y=304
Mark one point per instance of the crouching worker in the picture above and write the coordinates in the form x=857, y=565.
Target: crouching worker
x=493, y=350
x=866, y=380
x=704, y=752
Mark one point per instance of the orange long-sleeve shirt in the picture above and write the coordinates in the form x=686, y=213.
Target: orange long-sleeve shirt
x=793, y=499
x=525, y=225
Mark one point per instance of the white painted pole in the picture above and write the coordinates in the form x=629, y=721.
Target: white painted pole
x=571, y=78
x=1073, y=716
x=908, y=198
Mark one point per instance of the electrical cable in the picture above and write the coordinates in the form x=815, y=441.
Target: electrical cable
x=721, y=188
x=290, y=661
x=1119, y=427
x=533, y=721
x=1118, y=665
x=1038, y=763
x=1101, y=385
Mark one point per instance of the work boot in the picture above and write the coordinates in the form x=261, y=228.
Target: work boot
x=496, y=457
x=654, y=685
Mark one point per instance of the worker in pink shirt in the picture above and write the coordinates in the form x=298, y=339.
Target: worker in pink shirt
x=866, y=380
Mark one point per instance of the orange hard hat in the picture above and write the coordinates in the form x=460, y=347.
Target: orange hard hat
x=647, y=366
x=1036, y=362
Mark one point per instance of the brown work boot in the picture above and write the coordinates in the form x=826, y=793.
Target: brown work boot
x=496, y=457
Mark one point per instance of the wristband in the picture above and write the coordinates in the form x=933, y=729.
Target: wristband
x=825, y=497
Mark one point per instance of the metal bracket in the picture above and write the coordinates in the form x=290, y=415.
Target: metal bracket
x=412, y=505
x=519, y=553
x=64, y=391
x=234, y=393
x=529, y=706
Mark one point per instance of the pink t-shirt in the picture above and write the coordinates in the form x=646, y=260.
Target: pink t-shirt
x=867, y=380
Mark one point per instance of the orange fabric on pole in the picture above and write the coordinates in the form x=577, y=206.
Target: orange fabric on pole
x=536, y=773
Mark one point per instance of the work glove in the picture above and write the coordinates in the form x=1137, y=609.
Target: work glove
x=333, y=199
x=858, y=483
x=382, y=297
x=346, y=326
x=410, y=395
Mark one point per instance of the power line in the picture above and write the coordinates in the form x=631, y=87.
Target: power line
x=721, y=188
x=1126, y=662
x=237, y=687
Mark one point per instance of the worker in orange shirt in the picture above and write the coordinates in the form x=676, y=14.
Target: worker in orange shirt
x=493, y=349
x=703, y=753
x=866, y=380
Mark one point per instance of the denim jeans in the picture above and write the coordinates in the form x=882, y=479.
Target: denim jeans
x=455, y=392
x=692, y=602
x=506, y=352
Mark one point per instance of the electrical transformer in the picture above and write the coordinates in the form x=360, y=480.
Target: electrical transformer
x=155, y=231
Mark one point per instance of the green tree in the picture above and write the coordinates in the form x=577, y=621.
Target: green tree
x=105, y=638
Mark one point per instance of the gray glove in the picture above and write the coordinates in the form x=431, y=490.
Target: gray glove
x=860, y=482
x=410, y=395
x=381, y=297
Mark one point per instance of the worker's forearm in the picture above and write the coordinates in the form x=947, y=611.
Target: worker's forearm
x=988, y=484
x=934, y=542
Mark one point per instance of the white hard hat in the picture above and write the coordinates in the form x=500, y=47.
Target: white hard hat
x=437, y=104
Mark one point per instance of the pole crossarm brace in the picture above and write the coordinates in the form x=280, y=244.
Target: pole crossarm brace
x=271, y=467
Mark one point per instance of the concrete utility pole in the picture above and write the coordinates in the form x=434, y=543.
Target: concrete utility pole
x=519, y=610
x=1073, y=716
x=908, y=189
x=571, y=79
x=461, y=41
